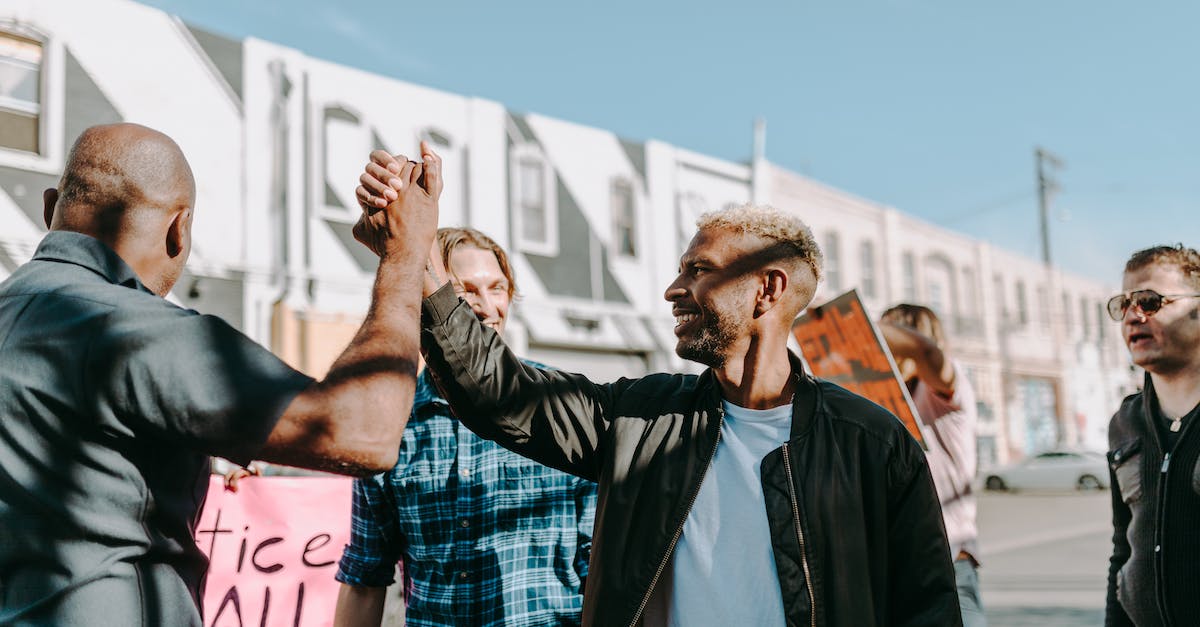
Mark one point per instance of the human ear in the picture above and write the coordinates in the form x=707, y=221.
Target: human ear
x=179, y=233
x=49, y=199
x=774, y=284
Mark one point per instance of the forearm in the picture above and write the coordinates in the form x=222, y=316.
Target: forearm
x=933, y=367
x=435, y=275
x=352, y=421
x=550, y=416
x=359, y=606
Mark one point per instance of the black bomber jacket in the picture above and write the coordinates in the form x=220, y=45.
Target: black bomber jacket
x=855, y=522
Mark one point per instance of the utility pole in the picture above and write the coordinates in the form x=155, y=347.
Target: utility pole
x=1046, y=186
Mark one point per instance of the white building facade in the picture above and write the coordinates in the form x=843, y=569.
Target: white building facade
x=594, y=223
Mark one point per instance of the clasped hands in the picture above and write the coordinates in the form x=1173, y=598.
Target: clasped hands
x=399, y=201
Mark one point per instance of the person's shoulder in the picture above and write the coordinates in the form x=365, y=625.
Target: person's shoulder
x=1125, y=422
x=847, y=408
x=660, y=384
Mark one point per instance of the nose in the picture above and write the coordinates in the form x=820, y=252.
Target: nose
x=483, y=305
x=675, y=290
x=1136, y=312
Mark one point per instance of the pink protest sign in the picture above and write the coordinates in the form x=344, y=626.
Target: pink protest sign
x=273, y=549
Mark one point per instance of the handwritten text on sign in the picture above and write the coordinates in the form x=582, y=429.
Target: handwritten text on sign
x=273, y=549
x=841, y=344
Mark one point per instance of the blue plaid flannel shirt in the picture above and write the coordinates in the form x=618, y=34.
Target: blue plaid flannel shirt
x=486, y=537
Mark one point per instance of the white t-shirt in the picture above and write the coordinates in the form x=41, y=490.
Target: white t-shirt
x=723, y=568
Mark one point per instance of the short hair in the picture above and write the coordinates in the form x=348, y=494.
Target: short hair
x=453, y=237
x=1187, y=260
x=919, y=318
x=771, y=223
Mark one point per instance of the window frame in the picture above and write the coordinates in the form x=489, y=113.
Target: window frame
x=870, y=276
x=620, y=220
x=549, y=246
x=51, y=93
x=833, y=261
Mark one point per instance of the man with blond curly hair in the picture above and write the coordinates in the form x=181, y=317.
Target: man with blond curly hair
x=751, y=494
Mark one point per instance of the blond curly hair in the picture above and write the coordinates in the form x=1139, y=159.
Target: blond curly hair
x=771, y=223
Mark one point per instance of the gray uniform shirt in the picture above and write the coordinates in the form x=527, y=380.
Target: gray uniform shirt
x=111, y=401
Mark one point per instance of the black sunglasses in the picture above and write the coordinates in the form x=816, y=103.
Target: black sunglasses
x=1147, y=301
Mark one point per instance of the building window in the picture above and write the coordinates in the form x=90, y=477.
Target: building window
x=1001, y=306
x=535, y=210
x=1022, y=305
x=937, y=297
x=1066, y=305
x=342, y=135
x=833, y=266
x=624, y=217
x=1043, y=307
x=20, y=93
x=868, y=269
x=908, y=267
x=970, y=293
x=1085, y=318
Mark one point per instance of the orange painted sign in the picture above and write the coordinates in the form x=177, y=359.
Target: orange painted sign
x=841, y=344
x=273, y=548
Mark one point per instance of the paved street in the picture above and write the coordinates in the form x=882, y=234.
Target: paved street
x=1045, y=558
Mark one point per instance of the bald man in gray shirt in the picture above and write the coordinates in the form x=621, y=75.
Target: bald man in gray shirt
x=112, y=398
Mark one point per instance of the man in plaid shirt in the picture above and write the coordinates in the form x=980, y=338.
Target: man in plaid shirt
x=486, y=537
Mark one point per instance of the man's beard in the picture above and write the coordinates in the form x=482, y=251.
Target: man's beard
x=710, y=343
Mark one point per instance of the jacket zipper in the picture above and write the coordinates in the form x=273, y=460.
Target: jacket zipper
x=679, y=532
x=1158, y=538
x=812, y=597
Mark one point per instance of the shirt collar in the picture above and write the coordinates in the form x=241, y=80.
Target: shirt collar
x=90, y=253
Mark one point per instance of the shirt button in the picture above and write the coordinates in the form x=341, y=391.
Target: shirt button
x=466, y=472
x=1157, y=548
x=464, y=523
x=462, y=575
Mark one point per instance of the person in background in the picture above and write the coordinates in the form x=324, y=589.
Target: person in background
x=112, y=399
x=1154, y=444
x=945, y=403
x=485, y=537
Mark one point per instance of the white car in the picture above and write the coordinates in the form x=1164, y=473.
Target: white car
x=1052, y=470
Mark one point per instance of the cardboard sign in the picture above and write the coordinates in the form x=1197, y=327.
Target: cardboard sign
x=841, y=344
x=273, y=548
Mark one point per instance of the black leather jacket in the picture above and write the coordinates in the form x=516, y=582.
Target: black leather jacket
x=1156, y=503
x=855, y=522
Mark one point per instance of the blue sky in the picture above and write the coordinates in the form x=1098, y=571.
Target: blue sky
x=933, y=107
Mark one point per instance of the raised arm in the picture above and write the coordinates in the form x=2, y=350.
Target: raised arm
x=933, y=368
x=351, y=422
x=553, y=417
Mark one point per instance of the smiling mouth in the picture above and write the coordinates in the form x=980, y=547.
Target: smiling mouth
x=683, y=320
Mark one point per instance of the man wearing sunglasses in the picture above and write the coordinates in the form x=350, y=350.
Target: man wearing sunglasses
x=1154, y=444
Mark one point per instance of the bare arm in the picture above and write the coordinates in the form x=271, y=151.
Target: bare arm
x=352, y=421
x=933, y=368
x=359, y=606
